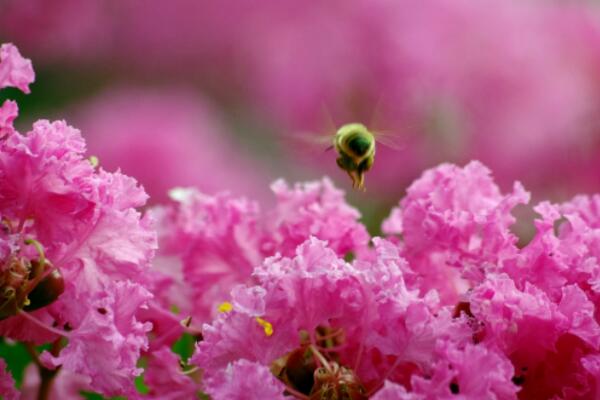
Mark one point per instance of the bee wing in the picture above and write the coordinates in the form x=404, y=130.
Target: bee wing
x=313, y=139
x=389, y=139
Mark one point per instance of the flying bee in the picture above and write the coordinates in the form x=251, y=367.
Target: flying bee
x=355, y=146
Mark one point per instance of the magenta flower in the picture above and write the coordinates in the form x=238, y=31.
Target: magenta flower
x=7, y=383
x=455, y=217
x=378, y=327
x=165, y=139
x=73, y=253
x=358, y=323
x=165, y=379
x=209, y=244
x=15, y=70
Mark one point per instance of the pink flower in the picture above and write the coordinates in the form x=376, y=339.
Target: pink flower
x=7, y=383
x=472, y=373
x=209, y=244
x=73, y=254
x=65, y=385
x=165, y=379
x=15, y=70
x=376, y=331
x=314, y=209
x=393, y=391
x=540, y=336
x=110, y=338
x=245, y=380
x=455, y=226
x=168, y=138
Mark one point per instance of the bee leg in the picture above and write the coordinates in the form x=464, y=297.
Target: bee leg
x=360, y=172
x=361, y=181
x=345, y=163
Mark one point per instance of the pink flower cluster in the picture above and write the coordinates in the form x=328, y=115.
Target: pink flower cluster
x=209, y=244
x=447, y=305
x=295, y=301
x=73, y=249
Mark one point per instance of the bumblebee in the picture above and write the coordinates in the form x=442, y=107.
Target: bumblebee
x=355, y=146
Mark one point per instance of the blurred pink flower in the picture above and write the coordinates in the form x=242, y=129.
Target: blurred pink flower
x=167, y=138
x=15, y=70
x=7, y=383
x=65, y=385
x=511, y=84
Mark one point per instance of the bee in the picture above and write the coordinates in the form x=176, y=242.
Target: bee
x=355, y=146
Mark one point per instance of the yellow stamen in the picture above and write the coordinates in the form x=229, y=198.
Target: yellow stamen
x=268, y=328
x=225, y=307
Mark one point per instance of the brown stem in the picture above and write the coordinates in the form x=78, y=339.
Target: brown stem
x=46, y=375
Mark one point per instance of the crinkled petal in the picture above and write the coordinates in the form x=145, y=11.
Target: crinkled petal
x=107, y=343
x=15, y=70
x=246, y=380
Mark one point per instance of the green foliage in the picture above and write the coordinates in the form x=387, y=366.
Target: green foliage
x=17, y=358
x=184, y=346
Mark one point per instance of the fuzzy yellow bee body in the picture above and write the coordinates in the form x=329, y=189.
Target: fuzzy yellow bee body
x=355, y=146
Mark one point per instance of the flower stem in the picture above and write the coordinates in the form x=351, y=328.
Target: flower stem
x=47, y=378
x=46, y=375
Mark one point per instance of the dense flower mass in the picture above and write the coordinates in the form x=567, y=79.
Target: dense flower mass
x=452, y=306
x=216, y=241
x=73, y=249
x=292, y=301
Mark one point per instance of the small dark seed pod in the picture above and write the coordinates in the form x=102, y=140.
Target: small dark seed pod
x=46, y=292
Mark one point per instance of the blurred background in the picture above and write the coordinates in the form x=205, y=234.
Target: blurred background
x=218, y=94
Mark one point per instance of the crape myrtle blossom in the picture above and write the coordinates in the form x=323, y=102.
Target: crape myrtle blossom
x=7, y=383
x=15, y=70
x=493, y=320
x=73, y=251
x=324, y=326
x=209, y=244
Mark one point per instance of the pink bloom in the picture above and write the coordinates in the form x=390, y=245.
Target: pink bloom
x=110, y=338
x=65, y=385
x=164, y=377
x=454, y=218
x=472, y=373
x=314, y=209
x=8, y=112
x=245, y=380
x=7, y=383
x=15, y=70
x=209, y=244
x=74, y=254
x=382, y=328
x=393, y=391
x=168, y=138
x=540, y=337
